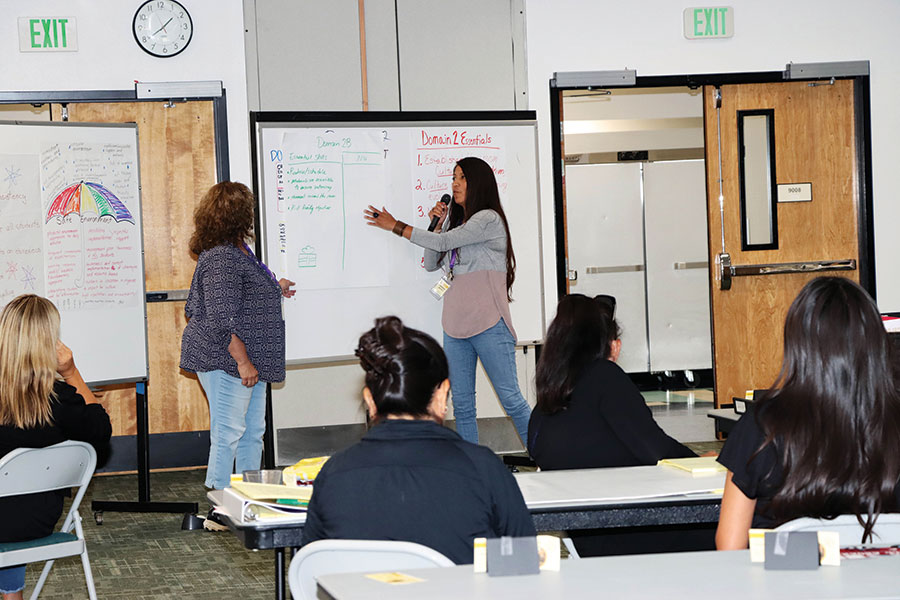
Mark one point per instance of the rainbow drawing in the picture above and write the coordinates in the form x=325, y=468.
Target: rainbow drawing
x=86, y=196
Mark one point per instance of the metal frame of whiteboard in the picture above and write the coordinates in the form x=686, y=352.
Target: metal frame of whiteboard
x=95, y=96
x=267, y=119
x=134, y=129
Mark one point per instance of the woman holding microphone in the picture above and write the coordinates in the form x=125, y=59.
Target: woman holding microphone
x=474, y=250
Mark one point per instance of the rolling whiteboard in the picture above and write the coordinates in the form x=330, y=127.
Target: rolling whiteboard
x=315, y=174
x=70, y=230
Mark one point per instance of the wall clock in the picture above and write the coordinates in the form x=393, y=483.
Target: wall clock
x=162, y=28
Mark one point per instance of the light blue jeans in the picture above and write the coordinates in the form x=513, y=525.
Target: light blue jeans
x=497, y=350
x=237, y=422
x=12, y=579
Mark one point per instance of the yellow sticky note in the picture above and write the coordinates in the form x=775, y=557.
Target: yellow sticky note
x=479, y=550
x=394, y=578
x=758, y=545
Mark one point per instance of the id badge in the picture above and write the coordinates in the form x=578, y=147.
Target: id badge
x=440, y=288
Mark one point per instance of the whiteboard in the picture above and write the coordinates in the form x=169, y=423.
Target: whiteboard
x=70, y=230
x=315, y=173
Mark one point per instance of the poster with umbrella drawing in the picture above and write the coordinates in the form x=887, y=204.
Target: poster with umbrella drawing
x=91, y=236
x=87, y=196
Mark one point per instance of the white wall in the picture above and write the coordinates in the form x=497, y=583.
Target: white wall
x=109, y=59
x=574, y=35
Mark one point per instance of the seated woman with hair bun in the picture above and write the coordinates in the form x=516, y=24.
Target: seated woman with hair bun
x=411, y=479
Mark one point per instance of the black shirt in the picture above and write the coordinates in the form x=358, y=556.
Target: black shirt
x=758, y=477
x=32, y=516
x=606, y=423
x=417, y=481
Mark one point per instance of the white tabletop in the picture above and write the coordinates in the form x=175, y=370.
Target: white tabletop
x=622, y=485
x=673, y=576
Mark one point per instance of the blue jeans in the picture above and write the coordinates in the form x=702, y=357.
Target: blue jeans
x=12, y=579
x=497, y=350
x=237, y=422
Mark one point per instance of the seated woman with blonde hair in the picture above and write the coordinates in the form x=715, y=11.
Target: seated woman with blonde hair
x=410, y=478
x=825, y=440
x=43, y=401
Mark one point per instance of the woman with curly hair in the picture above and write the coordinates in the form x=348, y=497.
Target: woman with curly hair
x=410, y=478
x=43, y=401
x=234, y=339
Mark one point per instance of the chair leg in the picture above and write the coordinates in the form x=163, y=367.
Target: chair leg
x=85, y=561
x=40, y=582
x=570, y=546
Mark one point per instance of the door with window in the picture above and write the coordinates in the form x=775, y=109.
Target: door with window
x=788, y=209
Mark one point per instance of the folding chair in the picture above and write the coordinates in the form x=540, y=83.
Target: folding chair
x=32, y=470
x=886, y=531
x=349, y=556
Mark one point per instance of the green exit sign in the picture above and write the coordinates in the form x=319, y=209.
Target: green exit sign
x=708, y=22
x=47, y=34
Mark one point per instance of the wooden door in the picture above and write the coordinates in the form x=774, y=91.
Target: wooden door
x=178, y=164
x=814, y=142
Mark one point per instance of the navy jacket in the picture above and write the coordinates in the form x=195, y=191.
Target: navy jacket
x=417, y=481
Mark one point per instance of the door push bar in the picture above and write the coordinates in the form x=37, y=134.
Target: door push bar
x=726, y=271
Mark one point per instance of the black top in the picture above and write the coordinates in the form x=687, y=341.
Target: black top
x=606, y=423
x=758, y=477
x=232, y=293
x=72, y=419
x=417, y=481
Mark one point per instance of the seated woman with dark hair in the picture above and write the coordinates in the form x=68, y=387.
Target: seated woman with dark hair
x=825, y=440
x=410, y=478
x=589, y=413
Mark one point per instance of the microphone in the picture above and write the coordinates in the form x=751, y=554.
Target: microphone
x=434, y=220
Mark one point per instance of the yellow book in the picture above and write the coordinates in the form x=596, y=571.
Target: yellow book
x=701, y=465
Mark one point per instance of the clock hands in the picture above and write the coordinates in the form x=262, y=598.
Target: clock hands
x=164, y=26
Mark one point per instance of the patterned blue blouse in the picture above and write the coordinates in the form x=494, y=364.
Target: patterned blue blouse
x=232, y=292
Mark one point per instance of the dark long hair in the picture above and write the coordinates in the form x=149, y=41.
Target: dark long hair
x=482, y=194
x=582, y=331
x=403, y=367
x=834, y=413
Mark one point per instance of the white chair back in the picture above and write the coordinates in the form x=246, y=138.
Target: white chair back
x=353, y=556
x=887, y=528
x=33, y=470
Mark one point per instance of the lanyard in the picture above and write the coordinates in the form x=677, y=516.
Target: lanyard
x=261, y=263
x=452, y=260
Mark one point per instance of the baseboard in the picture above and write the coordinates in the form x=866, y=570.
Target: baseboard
x=294, y=443
x=167, y=451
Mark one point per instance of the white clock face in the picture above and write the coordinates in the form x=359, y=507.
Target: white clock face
x=162, y=27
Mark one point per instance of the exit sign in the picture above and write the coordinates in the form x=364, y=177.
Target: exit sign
x=47, y=34
x=708, y=22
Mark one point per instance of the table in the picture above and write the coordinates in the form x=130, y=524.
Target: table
x=275, y=536
x=620, y=497
x=557, y=500
x=672, y=576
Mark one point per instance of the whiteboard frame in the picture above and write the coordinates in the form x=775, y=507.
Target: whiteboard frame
x=134, y=127
x=260, y=120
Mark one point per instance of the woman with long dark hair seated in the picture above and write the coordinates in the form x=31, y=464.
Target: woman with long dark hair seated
x=410, y=478
x=589, y=413
x=825, y=440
